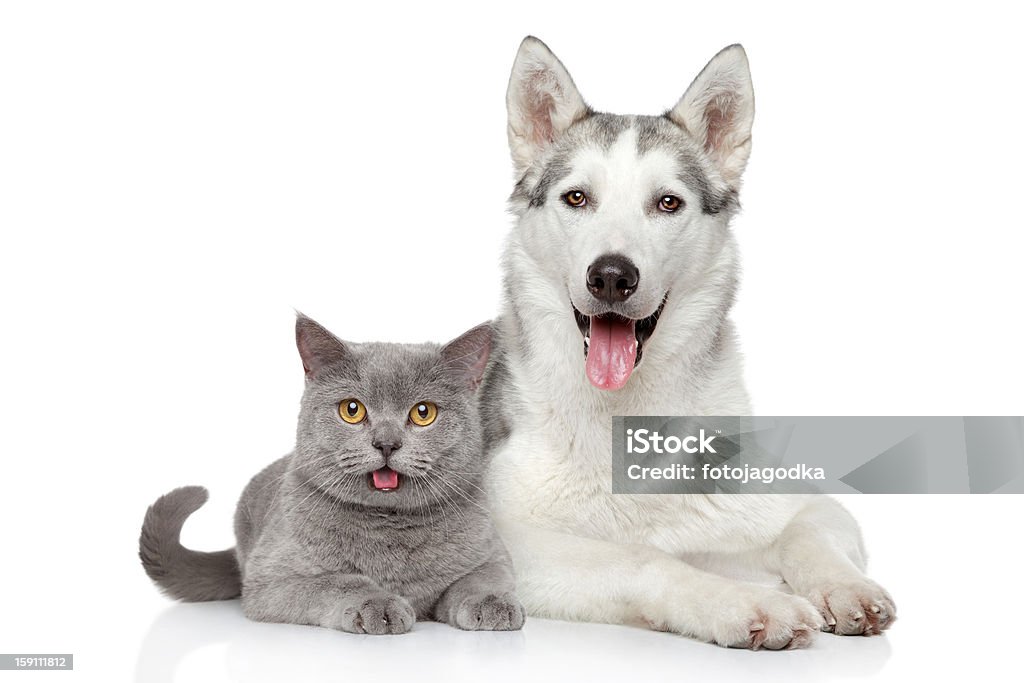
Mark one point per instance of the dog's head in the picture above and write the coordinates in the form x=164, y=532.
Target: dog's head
x=622, y=211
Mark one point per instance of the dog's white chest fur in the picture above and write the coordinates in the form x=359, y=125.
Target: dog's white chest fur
x=556, y=490
x=555, y=471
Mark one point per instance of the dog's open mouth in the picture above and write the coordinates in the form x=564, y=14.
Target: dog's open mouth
x=613, y=345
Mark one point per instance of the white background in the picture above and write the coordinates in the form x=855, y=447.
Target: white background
x=176, y=178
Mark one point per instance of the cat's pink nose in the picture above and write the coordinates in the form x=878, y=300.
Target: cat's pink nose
x=387, y=448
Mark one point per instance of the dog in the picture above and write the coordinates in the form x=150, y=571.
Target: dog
x=618, y=278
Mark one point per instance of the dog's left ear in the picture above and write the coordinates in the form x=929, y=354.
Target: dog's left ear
x=718, y=110
x=466, y=357
x=542, y=102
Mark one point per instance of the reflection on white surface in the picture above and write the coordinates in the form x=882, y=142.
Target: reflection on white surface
x=544, y=650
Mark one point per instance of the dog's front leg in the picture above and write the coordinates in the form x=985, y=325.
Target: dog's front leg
x=820, y=554
x=569, y=577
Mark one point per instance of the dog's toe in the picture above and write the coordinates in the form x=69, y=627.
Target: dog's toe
x=854, y=607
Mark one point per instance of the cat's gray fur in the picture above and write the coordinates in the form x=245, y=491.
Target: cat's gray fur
x=316, y=544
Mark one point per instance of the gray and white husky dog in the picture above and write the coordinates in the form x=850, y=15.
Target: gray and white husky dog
x=618, y=280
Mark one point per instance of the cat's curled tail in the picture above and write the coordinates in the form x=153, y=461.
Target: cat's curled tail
x=181, y=573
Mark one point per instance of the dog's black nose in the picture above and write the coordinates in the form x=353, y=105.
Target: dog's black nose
x=387, y=448
x=612, y=277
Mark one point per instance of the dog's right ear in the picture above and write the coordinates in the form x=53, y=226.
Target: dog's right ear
x=317, y=346
x=542, y=102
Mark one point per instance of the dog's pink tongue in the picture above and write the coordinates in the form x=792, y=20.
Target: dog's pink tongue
x=612, y=352
x=385, y=478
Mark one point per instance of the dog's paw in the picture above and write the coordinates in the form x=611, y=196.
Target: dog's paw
x=854, y=607
x=489, y=612
x=755, y=617
x=376, y=614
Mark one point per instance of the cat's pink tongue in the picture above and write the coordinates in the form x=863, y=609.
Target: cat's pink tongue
x=385, y=479
x=611, y=353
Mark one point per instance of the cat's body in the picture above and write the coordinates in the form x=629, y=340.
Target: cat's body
x=285, y=525
x=377, y=519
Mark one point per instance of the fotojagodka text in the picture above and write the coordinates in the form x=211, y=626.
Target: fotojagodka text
x=642, y=441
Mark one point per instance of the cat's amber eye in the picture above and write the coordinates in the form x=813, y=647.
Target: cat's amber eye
x=669, y=203
x=352, y=411
x=423, y=413
x=575, y=199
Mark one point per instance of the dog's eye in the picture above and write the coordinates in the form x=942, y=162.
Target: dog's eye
x=423, y=413
x=670, y=203
x=352, y=411
x=575, y=199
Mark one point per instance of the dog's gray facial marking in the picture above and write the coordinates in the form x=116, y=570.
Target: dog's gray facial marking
x=603, y=130
x=597, y=129
x=659, y=132
x=655, y=131
x=712, y=200
x=534, y=194
x=556, y=168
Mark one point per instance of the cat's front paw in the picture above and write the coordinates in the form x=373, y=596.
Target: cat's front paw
x=854, y=607
x=489, y=612
x=376, y=614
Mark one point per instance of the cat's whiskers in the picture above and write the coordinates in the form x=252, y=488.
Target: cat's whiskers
x=316, y=489
x=327, y=502
x=462, y=494
x=420, y=467
x=428, y=498
x=442, y=494
x=423, y=498
x=315, y=461
x=463, y=480
x=287, y=470
x=435, y=495
x=331, y=504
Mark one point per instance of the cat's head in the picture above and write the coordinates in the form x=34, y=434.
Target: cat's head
x=392, y=425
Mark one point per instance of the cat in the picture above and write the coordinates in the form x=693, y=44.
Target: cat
x=377, y=518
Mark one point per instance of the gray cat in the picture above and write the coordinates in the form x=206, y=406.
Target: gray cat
x=378, y=517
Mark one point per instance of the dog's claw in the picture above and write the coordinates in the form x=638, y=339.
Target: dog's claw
x=855, y=607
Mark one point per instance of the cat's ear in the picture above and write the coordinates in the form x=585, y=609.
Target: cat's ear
x=317, y=347
x=466, y=357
